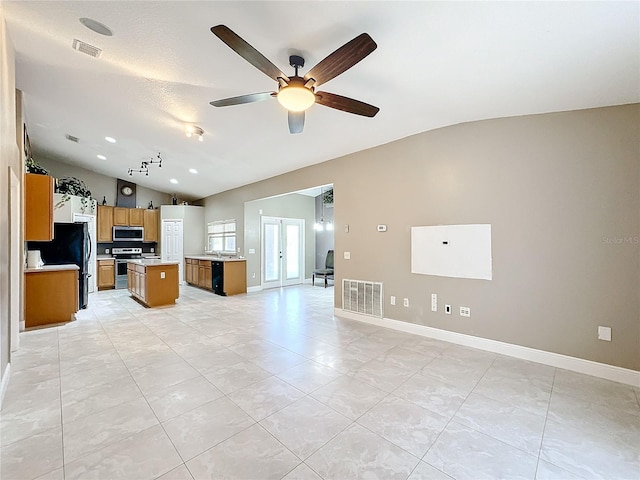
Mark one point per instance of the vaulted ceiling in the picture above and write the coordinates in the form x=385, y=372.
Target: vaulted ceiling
x=437, y=64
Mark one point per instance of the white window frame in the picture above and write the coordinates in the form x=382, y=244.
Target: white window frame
x=224, y=230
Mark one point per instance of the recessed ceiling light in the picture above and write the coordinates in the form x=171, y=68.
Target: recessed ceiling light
x=173, y=180
x=193, y=170
x=96, y=26
x=101, y=157
x=110, y=139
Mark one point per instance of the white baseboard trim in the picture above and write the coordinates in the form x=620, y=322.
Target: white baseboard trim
x=4, y=384
x=257, y=288
x=580, y=365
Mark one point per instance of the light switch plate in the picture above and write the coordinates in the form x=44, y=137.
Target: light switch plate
x=162, y=275
x=347, y=255
x=604, y=333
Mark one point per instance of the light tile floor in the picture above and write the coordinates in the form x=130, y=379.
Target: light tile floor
x=272, y=385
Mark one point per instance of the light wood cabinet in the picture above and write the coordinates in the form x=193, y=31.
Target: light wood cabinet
x=38, y=211
x=105, y=223
x=192, y=271
x=204, y=274
x=121, y=216
x=153, y=285
x=223, y=277
x=230, y=277
x=106, y=274
x=43, y=286
x=136, y=217
x=150, y=223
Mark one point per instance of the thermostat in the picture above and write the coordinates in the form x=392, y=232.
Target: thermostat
x=382, y=228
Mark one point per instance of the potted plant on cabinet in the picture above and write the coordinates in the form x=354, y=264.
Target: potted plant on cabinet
x=73, y=186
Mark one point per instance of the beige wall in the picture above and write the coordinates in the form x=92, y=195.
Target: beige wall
x=103, y=185
x=285, y=206
x=562, y=194
x=10, y=159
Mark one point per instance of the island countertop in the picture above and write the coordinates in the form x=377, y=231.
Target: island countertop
x=213, y=258
x=52, y=268
x=150, y=262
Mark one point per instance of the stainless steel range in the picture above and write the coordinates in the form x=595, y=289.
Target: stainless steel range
x=122, y=256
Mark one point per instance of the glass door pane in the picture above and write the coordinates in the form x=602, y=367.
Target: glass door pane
x=271, y=252
x=293, y=251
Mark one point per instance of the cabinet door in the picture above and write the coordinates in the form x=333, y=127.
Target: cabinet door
x=38, y=211
x=136, y=217
x=105, y=223
x=121, y=216
x=106, y=274
x=201, y=275
x=207, y=277
x=150, y=225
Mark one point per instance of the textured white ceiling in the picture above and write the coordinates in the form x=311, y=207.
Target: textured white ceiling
x=437, y=64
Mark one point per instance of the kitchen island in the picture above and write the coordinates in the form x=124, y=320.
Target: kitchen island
x=50, y=295
x=224, y=275
x=153, y=282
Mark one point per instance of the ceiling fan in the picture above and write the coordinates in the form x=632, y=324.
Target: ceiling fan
x=298, y=93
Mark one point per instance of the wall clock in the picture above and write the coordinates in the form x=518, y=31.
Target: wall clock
x=127, y=191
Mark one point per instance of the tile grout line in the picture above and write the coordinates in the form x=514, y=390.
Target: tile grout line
x=546, y=417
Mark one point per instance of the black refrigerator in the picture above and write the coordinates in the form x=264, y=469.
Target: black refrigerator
x=70, y=245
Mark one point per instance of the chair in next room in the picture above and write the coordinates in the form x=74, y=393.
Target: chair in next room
x=325, y=272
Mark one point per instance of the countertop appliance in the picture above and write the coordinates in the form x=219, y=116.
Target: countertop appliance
x=128, y=234
x=71, y=244
x=122, y=256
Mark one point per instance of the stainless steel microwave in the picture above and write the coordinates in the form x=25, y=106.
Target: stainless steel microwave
x=128, y=234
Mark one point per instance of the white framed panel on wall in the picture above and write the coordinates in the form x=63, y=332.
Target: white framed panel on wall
x=459, y=251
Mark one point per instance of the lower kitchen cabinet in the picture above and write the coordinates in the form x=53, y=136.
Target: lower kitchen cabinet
x=106, y=274
x=229, y=277
x=153, y=284
x=50, y=295
x=225, y=277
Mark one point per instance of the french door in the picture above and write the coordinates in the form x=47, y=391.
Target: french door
x=282, y=251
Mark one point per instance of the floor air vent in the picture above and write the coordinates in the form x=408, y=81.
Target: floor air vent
x=362, y=297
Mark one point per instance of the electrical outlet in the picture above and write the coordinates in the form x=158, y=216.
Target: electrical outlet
x=106, y=250
x=152, y=250
x=434, y=302
x=392, y=300
x=162, y=275
x=406, y=302
x=465, y=312
x=447, y=309
x=347, y=255
x=604, y=333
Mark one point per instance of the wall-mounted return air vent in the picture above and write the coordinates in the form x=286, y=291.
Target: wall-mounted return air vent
x=71, y=138
x=83, y=47
x=362, y=297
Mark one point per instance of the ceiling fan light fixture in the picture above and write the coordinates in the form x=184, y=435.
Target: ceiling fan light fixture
x=296, y=98
x=195, y=130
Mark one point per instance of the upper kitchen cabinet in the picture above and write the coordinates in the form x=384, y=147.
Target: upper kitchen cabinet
x=136, y=217
x=151, y=225
x=121, y=216
x=38, y=207
x=105, y=223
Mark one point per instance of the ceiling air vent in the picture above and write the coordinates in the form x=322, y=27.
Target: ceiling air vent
x=71, y=138
x=86, y=48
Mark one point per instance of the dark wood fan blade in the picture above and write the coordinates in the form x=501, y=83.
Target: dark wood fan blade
x=251, y=98
x=296, y=122
x=246, y=51
x=346, y=104
x=342, y=59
